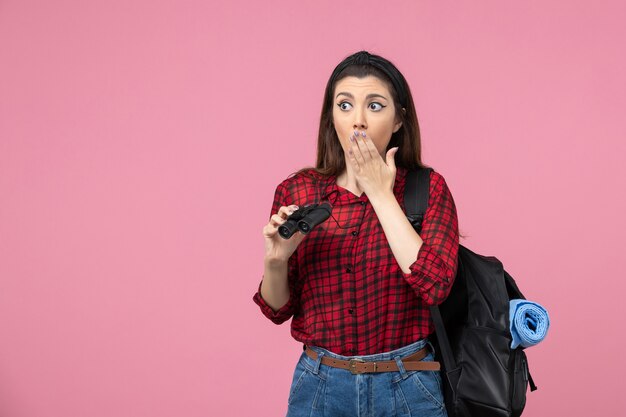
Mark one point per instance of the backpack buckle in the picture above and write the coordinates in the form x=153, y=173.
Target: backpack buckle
x=415, y=220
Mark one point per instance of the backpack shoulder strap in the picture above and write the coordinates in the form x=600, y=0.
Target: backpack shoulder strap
x=416, y=195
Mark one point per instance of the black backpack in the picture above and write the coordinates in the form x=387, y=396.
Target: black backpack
x=482, y=375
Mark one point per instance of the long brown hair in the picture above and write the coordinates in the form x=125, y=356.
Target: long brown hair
x=330, y=155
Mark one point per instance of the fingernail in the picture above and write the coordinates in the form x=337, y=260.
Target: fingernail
x=363, y=133
x=351, y=138
x=356, y=133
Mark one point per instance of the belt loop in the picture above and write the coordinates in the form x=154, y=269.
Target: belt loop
x=432, y=347
x=318, y=362
x=401, y=367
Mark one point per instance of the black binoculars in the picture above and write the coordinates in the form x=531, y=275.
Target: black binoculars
x=305, y=219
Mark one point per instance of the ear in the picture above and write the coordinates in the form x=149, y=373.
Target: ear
x=398, y=125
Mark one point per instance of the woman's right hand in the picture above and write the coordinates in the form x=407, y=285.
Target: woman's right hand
x=276, y=247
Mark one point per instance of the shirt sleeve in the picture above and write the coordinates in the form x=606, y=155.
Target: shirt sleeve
x=281, y=198
x=432, y=274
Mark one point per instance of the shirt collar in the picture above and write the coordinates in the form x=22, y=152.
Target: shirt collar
x=340, y=196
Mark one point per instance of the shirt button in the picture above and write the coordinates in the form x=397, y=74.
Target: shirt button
x=362, y=203
x=350, y=311
x=354, y=233
x=348, y=270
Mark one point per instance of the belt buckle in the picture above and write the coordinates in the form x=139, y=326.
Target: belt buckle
x=353, y=363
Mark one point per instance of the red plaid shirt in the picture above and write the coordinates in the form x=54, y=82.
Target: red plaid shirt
x=347, y=292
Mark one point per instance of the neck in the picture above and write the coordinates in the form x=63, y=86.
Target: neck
x=347, y=179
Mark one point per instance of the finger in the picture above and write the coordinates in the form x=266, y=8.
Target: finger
x=390, y=157
x=351, y=150
x=269, y=230
x=371, y=148
x=363, y=146
x=286, y=211
x=276, y=220
x=356, y=151
x=353, y=160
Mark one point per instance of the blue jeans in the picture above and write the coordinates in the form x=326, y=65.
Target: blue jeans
x=321, y=390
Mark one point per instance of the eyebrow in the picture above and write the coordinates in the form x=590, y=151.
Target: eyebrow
x=367, y=97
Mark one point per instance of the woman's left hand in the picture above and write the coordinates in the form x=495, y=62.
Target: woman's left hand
x=374, y=175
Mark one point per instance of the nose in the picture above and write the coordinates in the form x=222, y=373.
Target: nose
x=360, y=121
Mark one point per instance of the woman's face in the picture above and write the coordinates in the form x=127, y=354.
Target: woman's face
x=364, y=104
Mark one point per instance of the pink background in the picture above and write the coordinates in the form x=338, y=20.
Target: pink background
x=141, y=143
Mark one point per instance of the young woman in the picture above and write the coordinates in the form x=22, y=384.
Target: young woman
x=359, y=285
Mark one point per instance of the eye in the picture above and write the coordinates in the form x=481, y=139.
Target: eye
x=376, y=106
x=344, y=105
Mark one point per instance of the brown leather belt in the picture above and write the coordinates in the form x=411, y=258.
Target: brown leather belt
x=359, y=366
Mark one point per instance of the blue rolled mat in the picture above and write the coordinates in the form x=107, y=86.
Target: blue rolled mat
x=529, y=323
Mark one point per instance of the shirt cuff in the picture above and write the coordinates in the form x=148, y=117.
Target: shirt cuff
x=279, y=316
x=430, y=275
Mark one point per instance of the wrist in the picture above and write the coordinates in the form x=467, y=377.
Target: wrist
x=382, y=197
x=275, y=261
